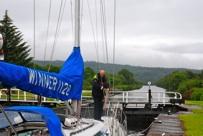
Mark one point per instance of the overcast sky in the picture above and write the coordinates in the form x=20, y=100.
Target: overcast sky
x=153, y=33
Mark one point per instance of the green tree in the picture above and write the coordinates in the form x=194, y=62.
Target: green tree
x=126, y=76
x=187, y=85
x=124, y=80
x=15, y=49
x=171, y=82
x=186, y=82
x=197, y=94
x=89, y=74
x=201, y=74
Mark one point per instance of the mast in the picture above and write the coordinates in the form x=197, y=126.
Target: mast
x=77, y=23
x=1, y=47
x=1, y=40
x=77, y=103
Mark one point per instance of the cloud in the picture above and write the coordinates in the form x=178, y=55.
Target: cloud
x=189, y=48
x=158, y=33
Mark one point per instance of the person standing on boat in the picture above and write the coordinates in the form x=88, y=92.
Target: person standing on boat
x=100, y=88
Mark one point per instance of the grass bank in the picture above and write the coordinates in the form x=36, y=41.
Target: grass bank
x=193, y=123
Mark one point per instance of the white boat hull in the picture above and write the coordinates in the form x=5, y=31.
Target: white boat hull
x=90, y=127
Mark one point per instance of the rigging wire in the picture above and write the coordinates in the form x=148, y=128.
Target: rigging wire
x=114, y=42
x=47, y=31
x=63, y=9
x=81, y=12
x=34, y=41
x=102, y=35
x=71, y=11
x=103, y=10
x=93, y=33
x=34, y=26
x=96, y=25
x=81, y=17
x=56, y=31
x=8, y=119
x=104, y=31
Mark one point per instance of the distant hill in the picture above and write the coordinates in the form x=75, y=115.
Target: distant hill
x=142, y=74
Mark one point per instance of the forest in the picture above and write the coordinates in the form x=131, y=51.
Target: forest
x=188, y=83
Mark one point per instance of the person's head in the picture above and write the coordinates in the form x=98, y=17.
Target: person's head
x=102, y=73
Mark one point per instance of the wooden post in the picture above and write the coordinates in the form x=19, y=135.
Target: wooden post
x=39, y=99
x=8, y=94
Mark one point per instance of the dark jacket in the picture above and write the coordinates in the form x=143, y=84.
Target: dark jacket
x=98, y=85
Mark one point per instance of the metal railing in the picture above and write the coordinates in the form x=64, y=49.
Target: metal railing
x=133, y=97
x=19, y=95
x=139, y=97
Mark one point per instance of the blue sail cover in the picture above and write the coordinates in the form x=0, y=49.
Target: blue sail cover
x=52, y=121
x=67, y=84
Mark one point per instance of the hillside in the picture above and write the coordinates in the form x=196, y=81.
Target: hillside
x=142, y=74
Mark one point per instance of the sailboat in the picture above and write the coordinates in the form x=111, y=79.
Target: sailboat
x=65, y=85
